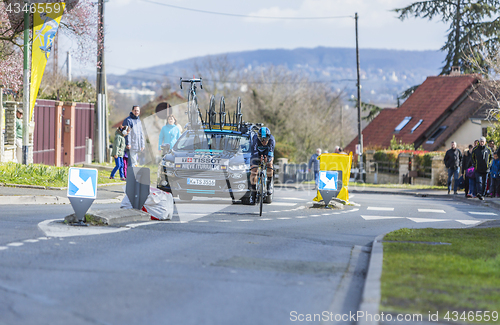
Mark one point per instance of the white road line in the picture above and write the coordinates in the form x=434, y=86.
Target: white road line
x=380, y=209
x=379, y=217
x=244, y=220
x=222, y=220
x=326, y=214
x=31, y=241
x=264, y=219
x=431, y=210
x=301, y=217
x=419, y=220
x=314, y=215
x=201, y=221
x=292, y=198
x=2, y=248
x=483, y=213
x=284, y=218
x=469, y=222
x=43, y=238
x=275, y=211
x=15, y=244
x=284, y=204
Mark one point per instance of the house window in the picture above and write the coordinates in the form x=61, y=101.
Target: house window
x=416, y=126
x=436, y=134
x=484, y=132
x=402, y=124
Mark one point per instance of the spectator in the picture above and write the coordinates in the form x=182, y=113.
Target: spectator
x=125, y=162
x=19, y=135
x=135, y=139
x=169, y=133
x=476, y=143
x=314, y=162
x=119, y=150
x=495, y=176
x=466, y=164
x=453, y=161
x=491, y=144
x=337, y=149
x=481, y=158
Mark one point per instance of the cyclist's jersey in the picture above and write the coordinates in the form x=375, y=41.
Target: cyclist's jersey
x=258, y=149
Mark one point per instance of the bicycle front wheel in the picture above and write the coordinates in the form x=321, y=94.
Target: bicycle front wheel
x=261, y=195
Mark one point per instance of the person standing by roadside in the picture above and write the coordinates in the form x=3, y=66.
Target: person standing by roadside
x=495, y=176
x=134, y=141
x=119, y=150
x=314, y=163
x=481, y=158
x=453, y=161
x=19, y=135
x=169, y=133
x=466, y=164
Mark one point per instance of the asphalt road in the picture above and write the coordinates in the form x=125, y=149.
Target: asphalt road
x=216, y=263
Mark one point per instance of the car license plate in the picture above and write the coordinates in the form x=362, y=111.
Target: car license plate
x=201, y=181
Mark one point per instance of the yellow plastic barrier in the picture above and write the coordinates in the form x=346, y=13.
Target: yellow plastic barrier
x=337, y=161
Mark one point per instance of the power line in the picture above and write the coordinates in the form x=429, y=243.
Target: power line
x=231, y=81
x=244, y=16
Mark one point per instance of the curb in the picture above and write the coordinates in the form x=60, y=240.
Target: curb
x=40, y=187
x=370, y=300
x=50, y=199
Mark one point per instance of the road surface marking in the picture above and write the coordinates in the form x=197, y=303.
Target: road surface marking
x=284, y=218
x=483, y=213
x=31, y=241
x=301, y=217
x=201, y=221
x=285, y=204
x=43, y=238
x=245, y=220
x=292, y=198
x=265, y=219
x=380, y=209
x=15, y=244
x=2, y=248
x=427, y=220
x=469, y=222
x=314, y=215
x=378, y=217
x=223, y=220
x=431, y=210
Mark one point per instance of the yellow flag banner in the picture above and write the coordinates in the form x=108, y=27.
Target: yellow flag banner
x=333, y=162
x=46, y=19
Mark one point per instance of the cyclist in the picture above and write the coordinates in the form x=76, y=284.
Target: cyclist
x=262, y=148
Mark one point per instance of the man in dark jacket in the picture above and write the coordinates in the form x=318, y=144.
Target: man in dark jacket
x=466, y=164
x=453, y=161
x=314, y=165
x=481, y=158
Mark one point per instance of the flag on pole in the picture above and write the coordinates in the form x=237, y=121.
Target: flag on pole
x=46, y=19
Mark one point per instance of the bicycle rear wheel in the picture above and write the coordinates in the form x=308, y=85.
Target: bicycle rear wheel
x=238, y=113
x=211, y=115
x=193, y=110
x=222, y=113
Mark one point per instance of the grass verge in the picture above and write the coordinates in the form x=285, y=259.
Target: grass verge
x=461, y=277
x=403, y=186
x=42, y=175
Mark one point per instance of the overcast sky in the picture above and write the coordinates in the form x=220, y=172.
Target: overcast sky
x=142, y=34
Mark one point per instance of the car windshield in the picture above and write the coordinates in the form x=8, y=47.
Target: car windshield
x=191, y=141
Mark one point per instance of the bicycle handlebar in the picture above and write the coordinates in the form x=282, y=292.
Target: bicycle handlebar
x=191, y=81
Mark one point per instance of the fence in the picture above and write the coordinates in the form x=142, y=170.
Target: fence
x=296, y=173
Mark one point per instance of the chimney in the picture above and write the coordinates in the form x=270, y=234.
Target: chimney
x=455, y=71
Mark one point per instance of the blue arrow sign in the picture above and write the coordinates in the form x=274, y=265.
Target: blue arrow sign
x=328, y=180
x=82, y=182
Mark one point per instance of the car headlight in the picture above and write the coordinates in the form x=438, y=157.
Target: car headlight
x=168, y=164
x=238, y=167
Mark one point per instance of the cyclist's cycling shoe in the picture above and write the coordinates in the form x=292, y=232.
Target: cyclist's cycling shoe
x=269, y=186
x=251, y=199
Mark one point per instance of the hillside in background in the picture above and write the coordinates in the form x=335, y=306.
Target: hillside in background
x=384, y=73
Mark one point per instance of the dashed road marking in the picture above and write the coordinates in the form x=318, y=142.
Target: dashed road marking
x=2, y=248
x=265, y=219
x=431, y=210
x=245, y=220
x=419, y=220
x=284, y=218
x=469, y=222
x=380, y=209
x=285, y=204
x=379, y=217
x=483, y=213
x=16, y=244
x=300, y=217
x=31, y=241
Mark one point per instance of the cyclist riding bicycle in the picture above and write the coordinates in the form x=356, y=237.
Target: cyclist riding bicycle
x=262, y=148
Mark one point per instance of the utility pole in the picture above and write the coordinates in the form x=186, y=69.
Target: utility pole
x=26, y=84
x=360, y=136
x=100, y=143
x=68, y=65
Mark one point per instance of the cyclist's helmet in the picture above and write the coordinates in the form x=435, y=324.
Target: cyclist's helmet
x=264, y=133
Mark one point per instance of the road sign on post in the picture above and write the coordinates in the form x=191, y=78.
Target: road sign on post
x=330, y=183
x=137, y=189
x=82, y=190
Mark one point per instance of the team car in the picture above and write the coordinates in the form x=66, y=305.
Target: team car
x=210, y=159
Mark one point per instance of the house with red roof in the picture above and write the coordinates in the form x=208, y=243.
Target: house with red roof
x=442, y=109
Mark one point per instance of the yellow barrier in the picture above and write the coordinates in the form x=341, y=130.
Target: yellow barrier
x=336, y=161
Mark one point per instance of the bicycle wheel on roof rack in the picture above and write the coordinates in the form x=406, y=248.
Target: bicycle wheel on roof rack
x=222, y=113
x=238, y=113
x=211, y=113
x=193, y=109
